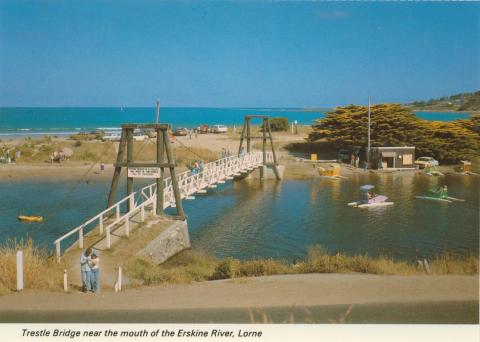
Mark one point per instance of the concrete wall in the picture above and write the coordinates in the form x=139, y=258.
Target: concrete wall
x=172, y=240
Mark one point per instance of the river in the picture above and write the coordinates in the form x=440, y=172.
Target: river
x=251, y=218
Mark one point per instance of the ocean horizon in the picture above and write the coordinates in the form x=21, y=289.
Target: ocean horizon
x=32, y=121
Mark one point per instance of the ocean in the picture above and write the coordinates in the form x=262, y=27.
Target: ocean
x=16, y=121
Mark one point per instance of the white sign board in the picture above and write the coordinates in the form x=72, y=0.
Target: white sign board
x=144, y=172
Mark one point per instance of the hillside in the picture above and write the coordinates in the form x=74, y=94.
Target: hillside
x=458, y=102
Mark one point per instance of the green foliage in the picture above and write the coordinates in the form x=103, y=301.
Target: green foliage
x=472, y=123
x=396, y=125
x=279, y=124
x=226, y=269
x=78, y=143
x=471, y=102
x=460, y=102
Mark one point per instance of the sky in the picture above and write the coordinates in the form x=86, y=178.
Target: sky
x=235, y=54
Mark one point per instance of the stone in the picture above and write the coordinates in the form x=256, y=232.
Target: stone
x=172, y=240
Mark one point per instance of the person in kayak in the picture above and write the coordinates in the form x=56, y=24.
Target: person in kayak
x=444, y=192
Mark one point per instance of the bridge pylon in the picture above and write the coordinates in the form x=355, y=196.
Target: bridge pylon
x=149, y=169
x=266, y=135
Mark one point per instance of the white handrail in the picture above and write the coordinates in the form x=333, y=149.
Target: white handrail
x=189, y=183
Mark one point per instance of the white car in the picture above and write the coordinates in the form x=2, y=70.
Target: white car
x=111, y=136
x=423, y=162
x=219, y=129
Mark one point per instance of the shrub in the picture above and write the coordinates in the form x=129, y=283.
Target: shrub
x=40, y=269
x=396, y=125
x=279, y=124
x=78, y=143
x=226, y=269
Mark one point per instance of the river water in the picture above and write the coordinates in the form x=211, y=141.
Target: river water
x=251, y=218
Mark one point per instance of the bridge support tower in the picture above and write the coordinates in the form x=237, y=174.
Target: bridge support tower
x=266, y=134
x=156, y=168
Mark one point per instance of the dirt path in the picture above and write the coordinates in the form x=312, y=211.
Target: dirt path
x=270, y=291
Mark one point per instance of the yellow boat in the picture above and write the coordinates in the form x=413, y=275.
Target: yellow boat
x=30, y=218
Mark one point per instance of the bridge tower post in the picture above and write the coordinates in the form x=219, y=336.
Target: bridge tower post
x=163, y=149
x=266, y=135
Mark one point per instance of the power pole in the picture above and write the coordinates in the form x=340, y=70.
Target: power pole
x=368, y=143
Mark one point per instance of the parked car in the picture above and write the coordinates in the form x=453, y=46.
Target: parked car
x=202, y=129
x=219, y=129
x=344, y=156
x=423, y=162
x=180, y=132
x=139, y=135
x=111, y=136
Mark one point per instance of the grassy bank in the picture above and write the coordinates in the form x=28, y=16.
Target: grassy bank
x=40, y=268
x=43, y=273
x=39, y=150
x=190, y=266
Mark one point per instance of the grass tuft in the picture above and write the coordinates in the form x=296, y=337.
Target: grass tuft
x=39, y=268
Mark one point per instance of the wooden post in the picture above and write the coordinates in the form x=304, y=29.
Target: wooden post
x=100, y=224
x=127, y=225
x=131, y=203
x=109, y=241
x=80, y=237
x=142, y=214
x=160, y=159
x=173, y=177
x=117, y=211
x=19, y=270
x=118, y=170
x=248, y=134
x=58, y=250
x=119, y=278
x=154, y=207
x=427, y=268
x=129, y=160
x=271, y=142
x=264, y=146
x=241, y=136
x=65, y=281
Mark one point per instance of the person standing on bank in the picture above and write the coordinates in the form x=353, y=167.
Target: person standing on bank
x=86, y=270
x=95, y=266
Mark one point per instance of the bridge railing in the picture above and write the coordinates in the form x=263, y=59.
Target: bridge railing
x=189, y=183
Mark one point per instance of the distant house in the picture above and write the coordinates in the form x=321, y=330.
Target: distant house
x=402, y=157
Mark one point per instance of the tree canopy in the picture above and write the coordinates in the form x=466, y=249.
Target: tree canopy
x=396, y=125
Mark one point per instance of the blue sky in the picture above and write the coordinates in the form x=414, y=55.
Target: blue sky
x=235, y=54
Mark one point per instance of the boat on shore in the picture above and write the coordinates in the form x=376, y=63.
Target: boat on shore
x=370, y=199
x=29, y=218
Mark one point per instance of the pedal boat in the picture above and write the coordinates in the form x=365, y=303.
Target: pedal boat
x=368, y=200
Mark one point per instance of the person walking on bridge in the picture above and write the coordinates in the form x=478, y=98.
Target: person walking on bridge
x=85, y=270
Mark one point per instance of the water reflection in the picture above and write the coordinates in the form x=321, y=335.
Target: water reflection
x=251, y=218
x=283, y=221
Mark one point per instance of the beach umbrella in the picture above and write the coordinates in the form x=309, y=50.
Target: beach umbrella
x=366, y=187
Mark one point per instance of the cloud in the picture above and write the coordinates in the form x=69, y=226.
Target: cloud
x=331, y=15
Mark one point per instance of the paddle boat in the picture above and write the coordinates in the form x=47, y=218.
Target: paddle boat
x=330, y=171
x=440, y=195
x=28, y=218
x=370, y=199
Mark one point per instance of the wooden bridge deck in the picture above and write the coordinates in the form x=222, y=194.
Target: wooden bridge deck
x=111, y=225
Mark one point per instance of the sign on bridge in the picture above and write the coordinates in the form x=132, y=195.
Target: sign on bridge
x=144, y=172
